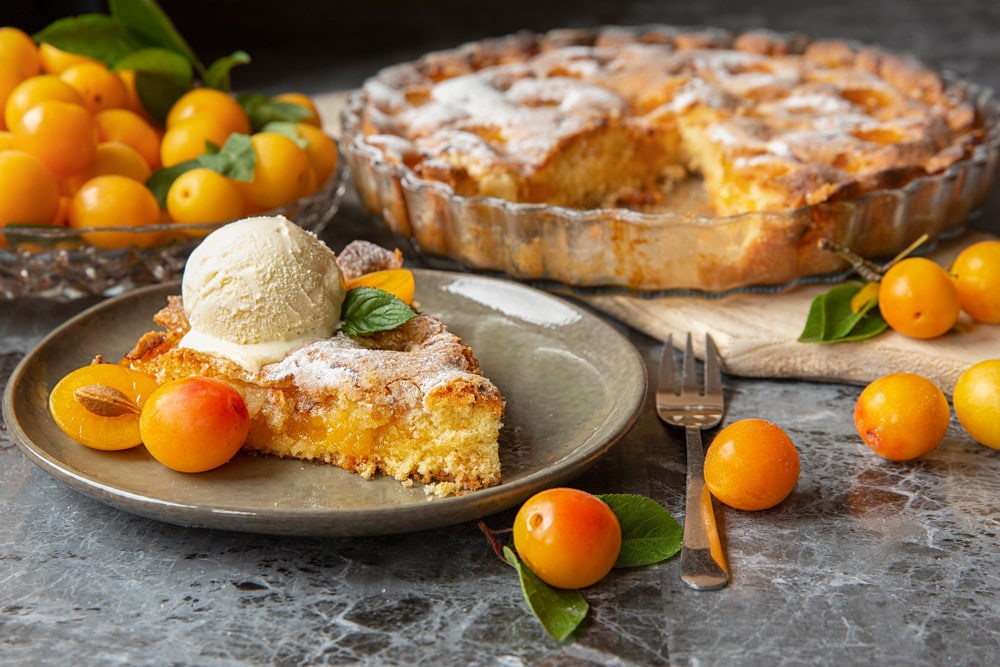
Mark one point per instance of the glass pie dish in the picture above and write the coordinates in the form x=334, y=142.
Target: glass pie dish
x=54, y=262
x=617, y=249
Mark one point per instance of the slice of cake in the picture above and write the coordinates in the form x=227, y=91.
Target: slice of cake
x=410, y=402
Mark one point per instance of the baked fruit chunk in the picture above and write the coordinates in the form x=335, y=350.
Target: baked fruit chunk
x=411, y=402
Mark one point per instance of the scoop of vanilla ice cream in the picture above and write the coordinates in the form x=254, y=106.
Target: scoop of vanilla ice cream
x=258, y=287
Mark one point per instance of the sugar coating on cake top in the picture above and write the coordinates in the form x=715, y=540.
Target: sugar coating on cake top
x=396, y=368
x=512, y=117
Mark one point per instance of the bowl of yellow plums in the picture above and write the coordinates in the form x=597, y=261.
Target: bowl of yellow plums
x=117, y=159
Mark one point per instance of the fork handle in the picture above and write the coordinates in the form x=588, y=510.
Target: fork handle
x=703, y=565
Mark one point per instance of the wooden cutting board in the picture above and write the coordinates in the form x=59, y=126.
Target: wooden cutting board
x=329, y=105
x=757, y=334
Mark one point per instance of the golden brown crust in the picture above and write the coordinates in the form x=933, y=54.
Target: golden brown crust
x=360, y=257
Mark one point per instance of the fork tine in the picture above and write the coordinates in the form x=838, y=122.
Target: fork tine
x=666, y=375
x=713, y=372
x=690, y=379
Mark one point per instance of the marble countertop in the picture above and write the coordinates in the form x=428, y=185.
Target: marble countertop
x=867, y=562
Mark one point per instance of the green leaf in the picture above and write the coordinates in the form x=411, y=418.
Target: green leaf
x=559, y=611
x=155, y=60
x=160, y=181
x=237, y=156
x=262, y=110
x=649, y=533
x=235, y=159
x=218, y=72
x=812, y=332
x=867, y=327
x=158, y=93
x=147, y=22
x=368, y=310
x=161, y=77
x=250, y=101
x=287, y=129
x=845, y=322
x=832, y=320
x=97, y=36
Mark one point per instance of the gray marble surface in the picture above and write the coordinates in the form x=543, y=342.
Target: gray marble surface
x=867, y=562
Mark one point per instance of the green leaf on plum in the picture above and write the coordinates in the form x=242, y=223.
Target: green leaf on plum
x=831, y=318
x=160, y=181
x=649, y=533
x=288, y=129
x=235, y=159
x=559, y=611
x=262, y=110
x=146, y=21
x=218, y=74
x=96, y=36
x=161, y=77
x=138, y=35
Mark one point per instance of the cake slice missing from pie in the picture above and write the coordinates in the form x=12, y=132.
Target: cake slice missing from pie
x=410, y=402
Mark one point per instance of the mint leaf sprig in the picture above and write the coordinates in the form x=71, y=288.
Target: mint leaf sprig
x=649, y=535
x=235, y=159
x=849, y=311
x=368, y=310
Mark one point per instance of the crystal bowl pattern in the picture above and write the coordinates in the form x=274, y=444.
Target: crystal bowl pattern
x=54, y=263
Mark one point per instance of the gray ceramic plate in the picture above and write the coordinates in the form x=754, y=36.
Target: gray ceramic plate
x=574, y=385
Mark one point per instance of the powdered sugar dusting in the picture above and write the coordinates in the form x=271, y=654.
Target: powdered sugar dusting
x=462, y=109
x=388, y=369
x=503, y=129
x=301, y=367
x=518, y=113
x=698, y=91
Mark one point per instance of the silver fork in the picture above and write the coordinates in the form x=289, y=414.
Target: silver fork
x=703, y=564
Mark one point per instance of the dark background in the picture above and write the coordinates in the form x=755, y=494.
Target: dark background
x=346, y=40
x=867, y=564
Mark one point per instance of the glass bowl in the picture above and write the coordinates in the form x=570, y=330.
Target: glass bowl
x=54, y=263
x=613, y=250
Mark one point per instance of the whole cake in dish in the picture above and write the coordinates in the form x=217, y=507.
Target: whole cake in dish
x=260, y=308
x=672, y=126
